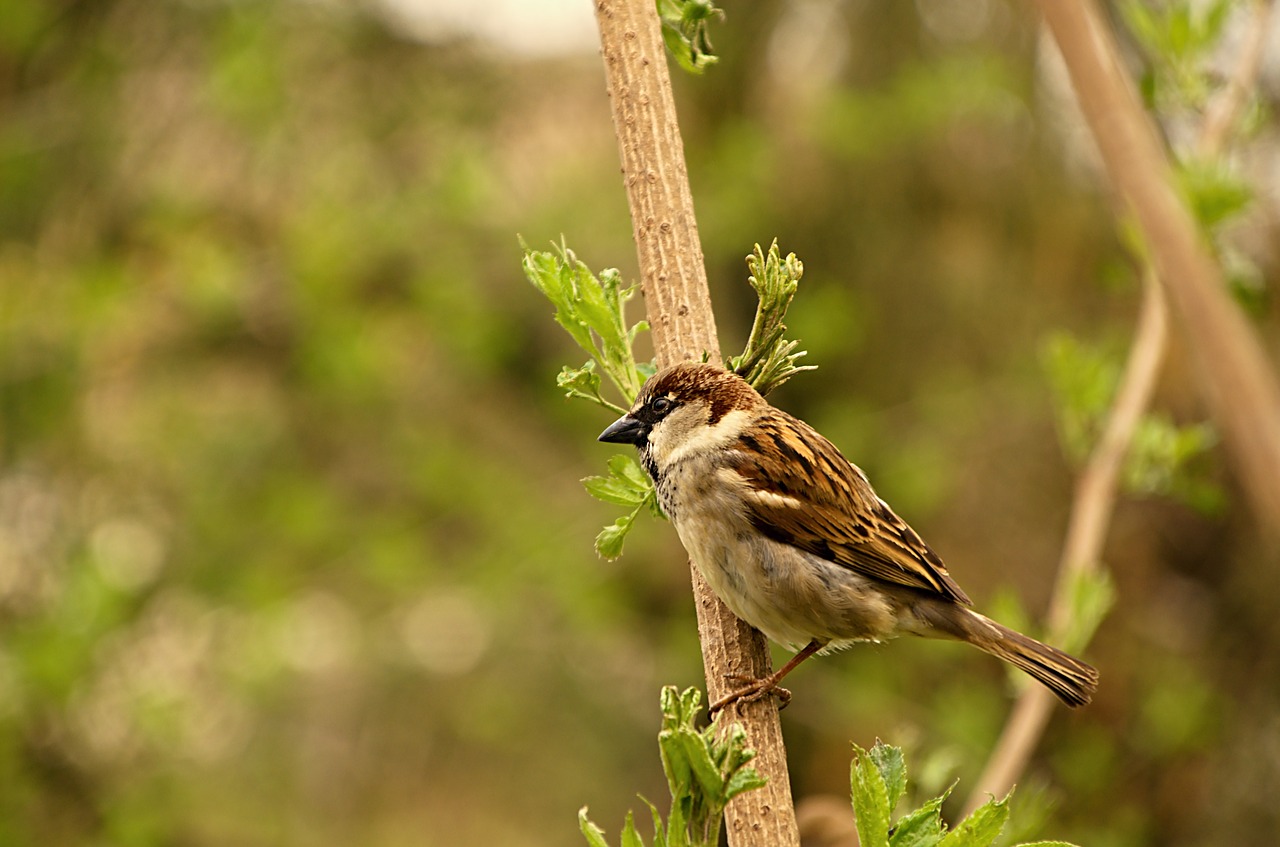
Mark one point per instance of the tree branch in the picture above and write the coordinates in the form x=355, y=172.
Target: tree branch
x=1091, y=510
x=1096, y=488
x=674, y=284
x=1235, y=378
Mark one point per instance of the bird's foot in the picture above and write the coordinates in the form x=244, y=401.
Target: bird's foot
x=749, y=691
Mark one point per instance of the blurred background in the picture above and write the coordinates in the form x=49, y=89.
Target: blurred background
x=292, y=545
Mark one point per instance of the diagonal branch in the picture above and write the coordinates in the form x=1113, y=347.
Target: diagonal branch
x=1096, y=489
x=1091, y=510
x=1232, y=371
x=674, y=283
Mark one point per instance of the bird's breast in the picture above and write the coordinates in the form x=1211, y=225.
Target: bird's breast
x=788, y=594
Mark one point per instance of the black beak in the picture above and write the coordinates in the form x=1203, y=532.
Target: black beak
x=626, y=430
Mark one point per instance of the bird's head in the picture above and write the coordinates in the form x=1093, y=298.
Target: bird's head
x=684, y=409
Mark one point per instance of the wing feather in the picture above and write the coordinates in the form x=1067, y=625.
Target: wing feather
x=806, y=494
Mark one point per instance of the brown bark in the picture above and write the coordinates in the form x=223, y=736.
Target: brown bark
x=674, y=283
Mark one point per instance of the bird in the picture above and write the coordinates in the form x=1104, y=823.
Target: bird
x=791, y=536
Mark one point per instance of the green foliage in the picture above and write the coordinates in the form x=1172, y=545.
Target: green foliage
x=705, y=770
x=626, y=485
x=282, y=463
x=917, y=104
x=685, y=31
x=1091, y=594
x=1164, y=459
x=1083, y=380
x=593, y=311
x=1179, y=39
x=769, y=360
x=1215, y=193
x=878, y=781
x=1177, y=36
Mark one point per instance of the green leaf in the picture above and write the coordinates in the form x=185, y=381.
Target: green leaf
x=870, y=800
x=1167, y=459
x=627, y=485
x=659, y=837
x=1142, y=23
x=703, y=771
x=695, y=753
x=920, y=828
x=584, y=382
x=592, y=310
x=624, y=466
x=893, y=770
x=1215, y=193
x=981, y=828
x=630, y=838
x=1178, y=29
x=610, y=489
x=609, y=541
x=593, y=833
x=685, y=31
x=1083, y=380
x=1046, y=844
x=743, y=780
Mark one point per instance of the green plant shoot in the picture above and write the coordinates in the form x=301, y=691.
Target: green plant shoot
x=685, y=25
x=593, y=311
x=704, y=772
x=769, y=360
x=878, y=781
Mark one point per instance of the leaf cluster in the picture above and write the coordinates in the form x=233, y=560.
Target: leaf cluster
x=626, y=485
x=769, y=359
x=878, y=781
x=1164, y=458
x=1180, y=39
x=593, y=311
x=1218, y=195
x=705, y=770
x=1176, y=37
x=685, y=31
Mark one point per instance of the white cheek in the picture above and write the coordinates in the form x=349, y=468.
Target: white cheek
x=675, y=440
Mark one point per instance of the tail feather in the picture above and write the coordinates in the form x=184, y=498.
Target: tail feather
x=1073, y=681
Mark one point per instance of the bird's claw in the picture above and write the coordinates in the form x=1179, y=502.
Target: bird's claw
x=751, y=689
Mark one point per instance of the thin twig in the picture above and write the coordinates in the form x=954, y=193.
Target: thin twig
x=1091, y=512
x=674, y=283
x=1223, y=113
x=1095, y=493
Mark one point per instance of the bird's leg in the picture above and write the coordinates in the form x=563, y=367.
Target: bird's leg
x=754, y=689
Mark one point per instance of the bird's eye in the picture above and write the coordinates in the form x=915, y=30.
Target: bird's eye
x=661, y=405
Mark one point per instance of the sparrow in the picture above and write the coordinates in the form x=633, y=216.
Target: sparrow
x=793, y=539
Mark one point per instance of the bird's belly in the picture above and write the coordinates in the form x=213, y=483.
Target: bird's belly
x=791, y=596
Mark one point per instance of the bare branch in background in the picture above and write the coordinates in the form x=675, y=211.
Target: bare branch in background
x=1091, y=511
x=1096, y=488
x=1234, y=376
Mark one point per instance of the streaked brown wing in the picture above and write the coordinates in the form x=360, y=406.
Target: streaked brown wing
x=811, y=497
